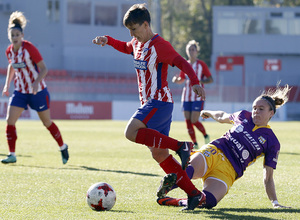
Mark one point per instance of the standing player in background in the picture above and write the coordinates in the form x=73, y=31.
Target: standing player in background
x=191, y=104
x=220, y=163
x=150, y=124
x=28, y=69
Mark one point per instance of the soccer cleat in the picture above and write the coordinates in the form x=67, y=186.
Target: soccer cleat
x=166, y=184
x=194, y=202
x=65, y=155
x=168, y=201
x=184, y=153
x=206, y=139
x=9, y=159
x=196, y=146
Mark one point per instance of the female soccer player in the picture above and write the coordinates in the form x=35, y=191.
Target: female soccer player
x=193, y=105
x=224, y=160
x=28, y=69
x=150, y=124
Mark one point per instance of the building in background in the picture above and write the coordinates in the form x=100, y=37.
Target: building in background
x=253, y=49
x=63, y=31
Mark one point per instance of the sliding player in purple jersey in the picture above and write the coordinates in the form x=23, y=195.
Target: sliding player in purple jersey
x=224, y=160
x=150, y=124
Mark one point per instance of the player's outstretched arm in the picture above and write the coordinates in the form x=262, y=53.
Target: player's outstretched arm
x=219, y=116
x=270, y=187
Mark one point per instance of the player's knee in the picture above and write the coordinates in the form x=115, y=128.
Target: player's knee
x=211, y=200
x=194, y=120
x=159, y=155
x=129, y=135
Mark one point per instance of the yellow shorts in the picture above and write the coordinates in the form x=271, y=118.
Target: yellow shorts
x=217, y=165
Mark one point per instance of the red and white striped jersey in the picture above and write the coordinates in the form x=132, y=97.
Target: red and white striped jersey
x=24, y=63
x=151, y=60
x=202, y=72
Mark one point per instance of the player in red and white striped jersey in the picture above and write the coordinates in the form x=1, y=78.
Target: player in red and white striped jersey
x=27, y=68
x=150, y=124
x=192, y=105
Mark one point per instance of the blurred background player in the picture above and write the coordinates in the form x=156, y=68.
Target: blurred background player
x=27, y=68
x=224, y=160
x=191, y=104
x=150, y=125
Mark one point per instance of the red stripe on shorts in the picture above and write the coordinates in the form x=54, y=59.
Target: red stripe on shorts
x=149, y=116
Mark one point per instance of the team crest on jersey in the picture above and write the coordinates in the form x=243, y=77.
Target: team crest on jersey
x=140, y=64
x=145, y=51
x=261, y=140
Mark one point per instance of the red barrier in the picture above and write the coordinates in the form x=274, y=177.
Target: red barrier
x=80, y=110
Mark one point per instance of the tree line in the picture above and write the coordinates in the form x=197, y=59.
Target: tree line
x=184, y=20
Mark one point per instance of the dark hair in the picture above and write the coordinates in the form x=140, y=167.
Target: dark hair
x=136, y=14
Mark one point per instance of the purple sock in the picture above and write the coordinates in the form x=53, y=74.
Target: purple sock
x=190, y=172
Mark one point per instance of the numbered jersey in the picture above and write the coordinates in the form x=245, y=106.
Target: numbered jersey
x=245, y=142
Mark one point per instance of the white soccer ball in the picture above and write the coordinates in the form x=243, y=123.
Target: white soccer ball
x=101, y=197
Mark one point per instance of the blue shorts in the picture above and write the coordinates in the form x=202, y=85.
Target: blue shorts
x=196, y=106
x=39, y=102
x=156, y=115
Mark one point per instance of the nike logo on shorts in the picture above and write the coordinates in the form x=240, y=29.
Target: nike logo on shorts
x=186, y=147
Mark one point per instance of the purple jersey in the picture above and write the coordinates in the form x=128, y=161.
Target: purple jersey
x=245, y=142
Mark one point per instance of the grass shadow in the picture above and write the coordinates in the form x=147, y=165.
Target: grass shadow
x=119, y=171
x=19, y=155
x=72, y=167
x=226, y=213
x=289, y=153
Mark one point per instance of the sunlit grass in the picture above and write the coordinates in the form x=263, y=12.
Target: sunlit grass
x=39, y=186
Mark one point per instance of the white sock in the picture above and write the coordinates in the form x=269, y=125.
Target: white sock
x=12, y=153
x=63, y=147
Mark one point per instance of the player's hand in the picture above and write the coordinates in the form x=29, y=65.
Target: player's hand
x=205, y=114
x=100, y=40
x=278, y=206
x=5, y=91
x=174, y=79
x=35, y=87
x=199, y=91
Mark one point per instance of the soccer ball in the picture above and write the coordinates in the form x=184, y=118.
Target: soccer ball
x=101, y=197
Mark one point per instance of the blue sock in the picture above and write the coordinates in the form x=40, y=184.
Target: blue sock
x=211, y=200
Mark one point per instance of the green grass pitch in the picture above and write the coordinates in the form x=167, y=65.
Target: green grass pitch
x=39, y=186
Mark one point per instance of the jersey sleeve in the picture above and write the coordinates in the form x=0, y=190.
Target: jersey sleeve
x=233, y=117
x=205, y=70
x=184, y=66
x=166, y=53
x=182, y=74
x=7, y=54
x=34, y=52
x=122, y=46
x=271, y=155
